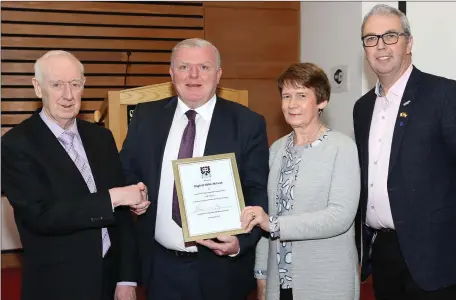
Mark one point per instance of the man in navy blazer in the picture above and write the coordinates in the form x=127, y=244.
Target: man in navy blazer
x=159, y=131
x=405, y=129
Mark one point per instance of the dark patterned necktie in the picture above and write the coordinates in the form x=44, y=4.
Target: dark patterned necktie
x=185, y=151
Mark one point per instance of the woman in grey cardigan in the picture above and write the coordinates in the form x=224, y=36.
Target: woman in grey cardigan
x=313, y=190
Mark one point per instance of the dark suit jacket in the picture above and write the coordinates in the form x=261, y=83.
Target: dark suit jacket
x=58, y=219
x=233, y=128
x=421, y=179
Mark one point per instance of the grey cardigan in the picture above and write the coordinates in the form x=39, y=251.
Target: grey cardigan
x=324, y=255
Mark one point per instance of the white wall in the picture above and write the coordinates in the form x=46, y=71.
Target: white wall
x=330, y=37
x=433, y=28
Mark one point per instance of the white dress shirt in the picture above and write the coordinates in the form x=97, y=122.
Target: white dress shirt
x=167, y=232
x=378, y=214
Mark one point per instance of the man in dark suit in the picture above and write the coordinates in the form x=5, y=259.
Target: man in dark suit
x=63, y=178
x=405, y=129
x=160, y=132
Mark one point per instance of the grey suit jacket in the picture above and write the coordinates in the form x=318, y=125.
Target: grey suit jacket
x=324, y=255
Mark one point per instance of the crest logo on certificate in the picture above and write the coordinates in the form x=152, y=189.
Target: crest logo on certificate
x=206, y=172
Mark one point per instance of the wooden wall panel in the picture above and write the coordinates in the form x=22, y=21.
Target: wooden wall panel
x=264, y=99
x=88, y=18
x=257, y=42
x=255, y=4
x=153, y=8
x=106, y=36
x=30, y=55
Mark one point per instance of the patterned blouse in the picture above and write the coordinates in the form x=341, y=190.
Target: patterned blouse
x=284, y=204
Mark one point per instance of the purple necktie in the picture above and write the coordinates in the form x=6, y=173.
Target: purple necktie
x=185, y=151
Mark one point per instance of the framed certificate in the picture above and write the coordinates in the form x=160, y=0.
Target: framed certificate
x=210, y=196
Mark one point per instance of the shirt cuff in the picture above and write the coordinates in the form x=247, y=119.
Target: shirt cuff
x=127, y=283
x=260, y=274
x=274, y=227
x=234, y=255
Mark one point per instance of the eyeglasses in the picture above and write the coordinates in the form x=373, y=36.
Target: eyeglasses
x=388, y=38
x=75, y=85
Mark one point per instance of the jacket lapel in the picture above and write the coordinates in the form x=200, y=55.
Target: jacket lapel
x=154, y=144
x=160, y=136
x=404, y=114
x=216, y=141
x=92, y=150
x=53, y=150
x=365, y=124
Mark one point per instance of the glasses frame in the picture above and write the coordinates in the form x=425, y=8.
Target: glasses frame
x=381, y=36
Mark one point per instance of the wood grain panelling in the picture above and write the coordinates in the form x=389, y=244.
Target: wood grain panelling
x=159, y=8
x=255, y=4
x=29, y=93
x=18, y=67
x=99, y=81
x=264, y=99
x=5, y=130
x=16, y=118
x=103, y=20
x=257, y=42
x=91, y=56
x=20, y=106
x=105, y=32
x=81, y=43
x=110, y=38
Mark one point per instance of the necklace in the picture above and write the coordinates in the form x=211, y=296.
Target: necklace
x=313, y=135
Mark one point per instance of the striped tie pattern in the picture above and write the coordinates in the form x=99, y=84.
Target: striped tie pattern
x=67, y=139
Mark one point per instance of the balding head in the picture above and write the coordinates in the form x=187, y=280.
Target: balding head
x=40, y=68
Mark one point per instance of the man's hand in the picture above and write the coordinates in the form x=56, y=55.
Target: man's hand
x=229, y=245
x=134, y=195
x=141, y=208
x=261, y=289
x=125, y=292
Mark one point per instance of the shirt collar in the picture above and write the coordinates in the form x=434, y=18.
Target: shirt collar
x=205, y=110
x=399, y=86
x=54, y=127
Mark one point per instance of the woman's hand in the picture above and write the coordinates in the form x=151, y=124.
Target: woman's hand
x=252, y=216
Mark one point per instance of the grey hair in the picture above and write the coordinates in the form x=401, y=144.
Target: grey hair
x=196, y=43
x=38, y=64
x=386, y=10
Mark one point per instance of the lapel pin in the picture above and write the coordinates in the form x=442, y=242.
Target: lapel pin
x=406, y=103
x=401, y=124
x=403, y=115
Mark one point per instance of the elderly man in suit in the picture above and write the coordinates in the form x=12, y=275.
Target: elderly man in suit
x=198, y=120
x=64, y=180
x=405, y=131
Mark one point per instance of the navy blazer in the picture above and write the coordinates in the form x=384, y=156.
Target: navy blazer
x=233, y=128
x=421, y=178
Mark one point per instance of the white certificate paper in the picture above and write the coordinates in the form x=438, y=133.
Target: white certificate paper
x=210, y=196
